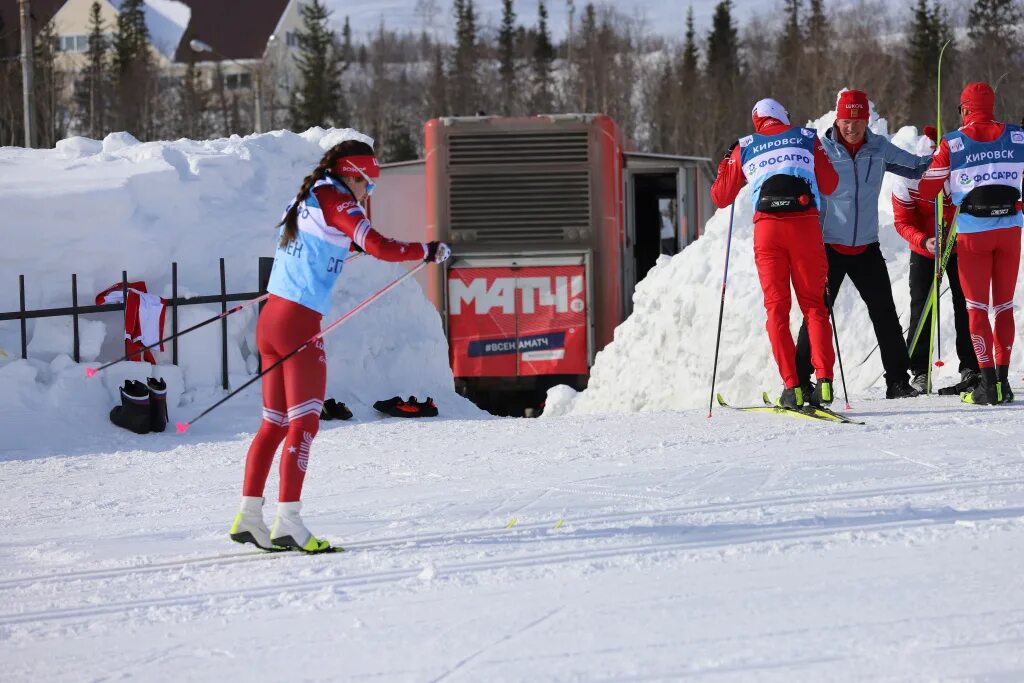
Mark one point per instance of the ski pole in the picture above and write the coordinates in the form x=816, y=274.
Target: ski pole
x=835, y=336
x=90, y=372
x=721, y=307
x=183, y=426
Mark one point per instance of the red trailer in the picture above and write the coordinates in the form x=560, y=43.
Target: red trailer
x=551, y=223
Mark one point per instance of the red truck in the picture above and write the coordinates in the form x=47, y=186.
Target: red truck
x=551, y=224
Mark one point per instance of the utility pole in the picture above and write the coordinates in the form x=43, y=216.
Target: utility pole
x=572, y=13
x=26, y=70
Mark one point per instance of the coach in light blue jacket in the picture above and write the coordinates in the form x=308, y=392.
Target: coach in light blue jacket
x=850, y=224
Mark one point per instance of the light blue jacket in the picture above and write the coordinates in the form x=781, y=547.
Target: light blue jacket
x=849, y=216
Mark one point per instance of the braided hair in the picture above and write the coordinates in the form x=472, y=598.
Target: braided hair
x=341, y=150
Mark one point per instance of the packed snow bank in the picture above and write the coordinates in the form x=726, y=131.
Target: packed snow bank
x=96, y=208
x=662, y=355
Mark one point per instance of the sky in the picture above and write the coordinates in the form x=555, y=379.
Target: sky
x=665, y=16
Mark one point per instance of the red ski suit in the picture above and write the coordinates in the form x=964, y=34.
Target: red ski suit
x=294, y=392
x=788, y=247
x=989, y=260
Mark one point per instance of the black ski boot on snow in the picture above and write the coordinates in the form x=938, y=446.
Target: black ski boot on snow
x=920, y=382
x=792, y=398
x=134, y=412
x=900, y=388
x=157, y=404
x=822, y=395
x=987, y=392
x=968, y=380
x=1003, y=375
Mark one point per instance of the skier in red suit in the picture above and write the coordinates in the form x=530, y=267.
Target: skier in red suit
x=789, y=171
x=984, y=163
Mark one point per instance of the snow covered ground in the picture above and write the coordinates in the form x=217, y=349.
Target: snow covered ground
x=736, y=549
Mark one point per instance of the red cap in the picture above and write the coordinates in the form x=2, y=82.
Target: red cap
x=931, y=133
x=356, y=167
x=978, y=97
x=852, y=104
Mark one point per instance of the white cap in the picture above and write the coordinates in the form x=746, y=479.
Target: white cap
x=770, y=108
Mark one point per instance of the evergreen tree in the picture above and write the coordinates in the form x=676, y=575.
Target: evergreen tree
x=464, y=88
x=723, y=47
x=132, y=68
x=929, y=31
x=543, y=61
x=50, y=115
x=507, y=56
x=194, y=101
x=437, y=89
x=319, y=100
x=993, y=30
x=724, y=83
x=94, y=81
x=347, y=51
x=817, y=49
x=690, y=54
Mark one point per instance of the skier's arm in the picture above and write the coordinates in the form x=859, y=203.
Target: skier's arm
x=824, y=173
x=903, y=163
x=935, y=177
x=906, y=217
x=343, y=214
x=730, y=179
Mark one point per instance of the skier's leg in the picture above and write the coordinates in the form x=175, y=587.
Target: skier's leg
x=305, y=384
x=922, y=275
x=964, y=349
x=1006, y=262
x=836, y=263
x=274, y=424
x=810, y=274
x=975, y=278
x=772, y=260
x=871, y=278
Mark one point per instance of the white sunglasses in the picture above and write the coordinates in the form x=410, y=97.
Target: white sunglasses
x=369, y=183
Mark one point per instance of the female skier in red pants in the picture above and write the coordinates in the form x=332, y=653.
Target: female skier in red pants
x=321, y=226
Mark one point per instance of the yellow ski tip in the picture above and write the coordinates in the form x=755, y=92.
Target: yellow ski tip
x=512, y=522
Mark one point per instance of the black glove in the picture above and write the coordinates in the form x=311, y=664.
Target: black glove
x=731, y=148
x=352, y=246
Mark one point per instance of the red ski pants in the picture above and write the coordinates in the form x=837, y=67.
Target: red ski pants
x=793, y=251
x=988, y=264
x=293, y=394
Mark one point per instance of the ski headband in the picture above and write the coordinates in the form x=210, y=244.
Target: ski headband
x=769, y=108
x=852, y=104
x=358, y=166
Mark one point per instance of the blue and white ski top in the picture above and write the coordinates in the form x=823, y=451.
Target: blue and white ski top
x=974, y=164
x=306, y=268
x=790, y=152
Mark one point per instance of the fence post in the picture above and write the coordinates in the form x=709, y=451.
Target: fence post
x=266, y=265
x=74, y=317
x=124, y=302
x=24, y=328
x=174, y=312
x=223, y=326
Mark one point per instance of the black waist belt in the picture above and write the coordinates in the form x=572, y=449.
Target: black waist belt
x=991, y=201
x=785, y=193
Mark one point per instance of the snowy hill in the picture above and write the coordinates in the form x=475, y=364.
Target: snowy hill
x=96, y=208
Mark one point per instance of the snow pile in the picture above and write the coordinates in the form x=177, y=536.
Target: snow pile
x=661, y=357
x=96, y=208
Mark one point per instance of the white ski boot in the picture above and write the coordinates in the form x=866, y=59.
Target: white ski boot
x=249, y=526
x=288, y=531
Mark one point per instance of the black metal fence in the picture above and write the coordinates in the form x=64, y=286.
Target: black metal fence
x=74, y=311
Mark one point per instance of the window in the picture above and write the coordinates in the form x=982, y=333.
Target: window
x=233, y=81
x=291, y=38
x=74, y=43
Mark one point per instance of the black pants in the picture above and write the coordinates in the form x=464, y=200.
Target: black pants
x=869, y=275
x=922, y=274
